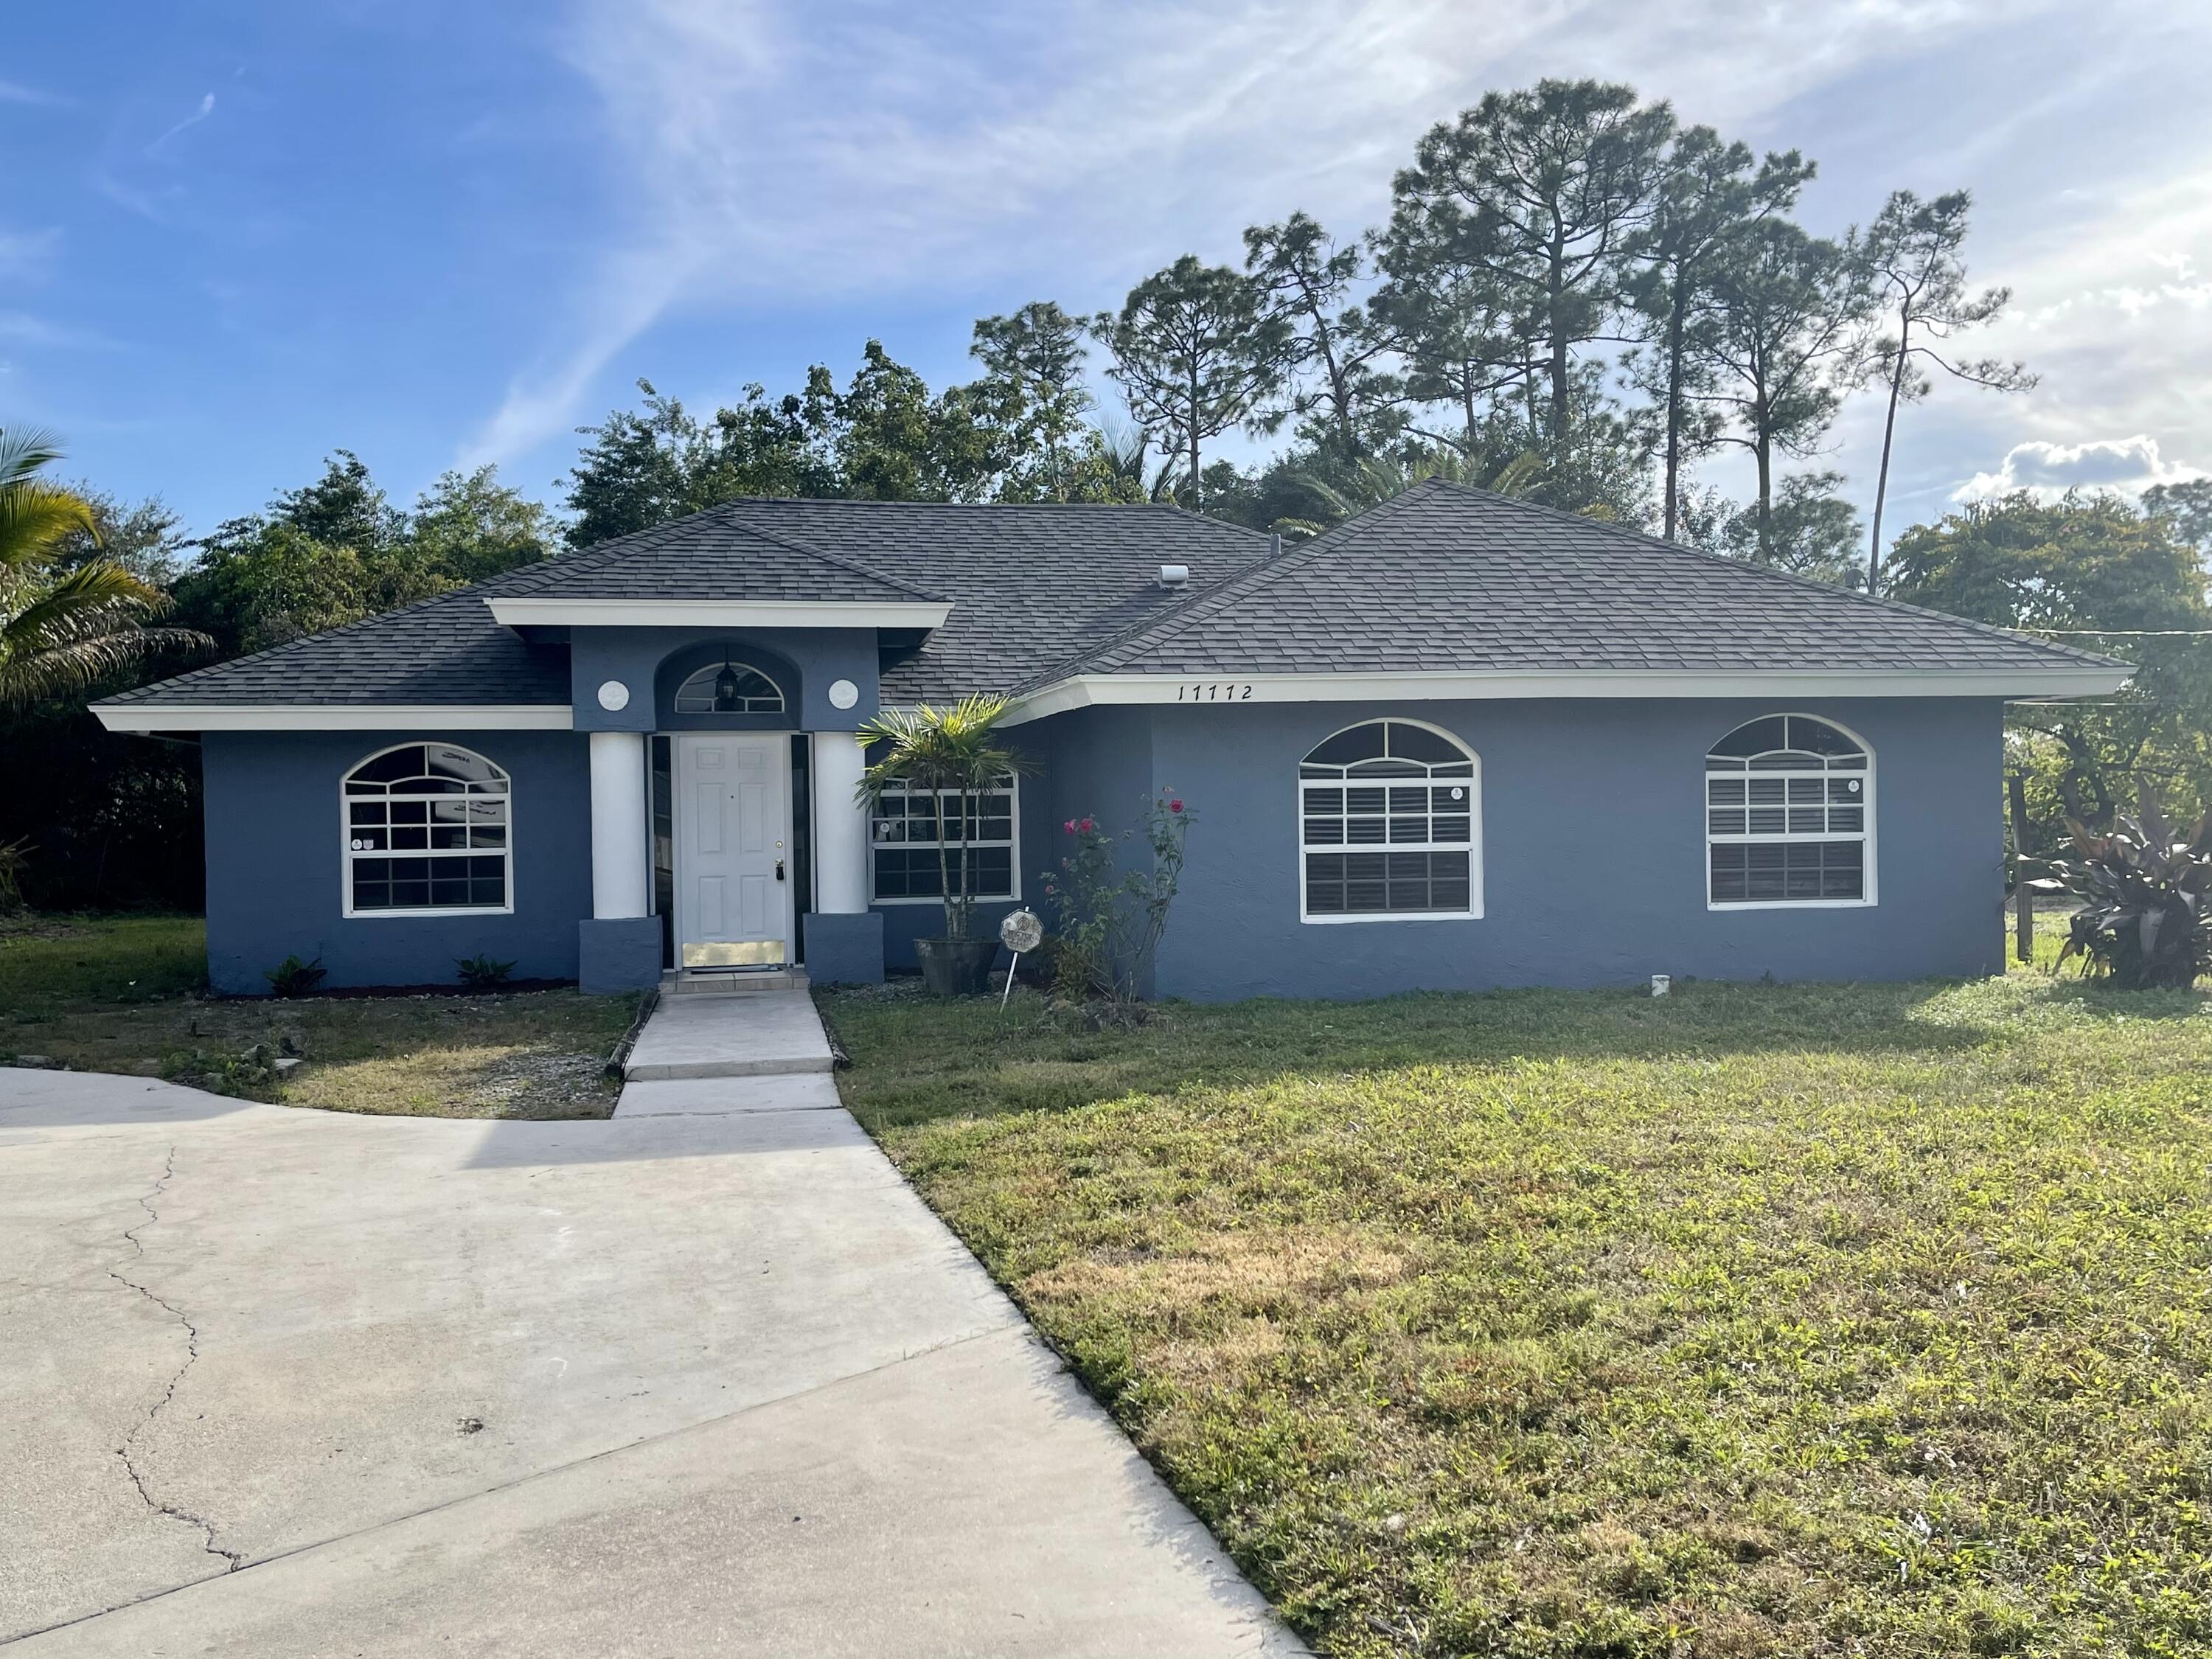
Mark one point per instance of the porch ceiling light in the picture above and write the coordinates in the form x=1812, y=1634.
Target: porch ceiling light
x=726, y=688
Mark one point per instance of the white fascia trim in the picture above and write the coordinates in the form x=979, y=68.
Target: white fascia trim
x=690, y=613
x=335, y=717
x=1095, y=691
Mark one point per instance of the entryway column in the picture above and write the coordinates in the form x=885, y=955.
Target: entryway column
x=618, y=845
x=618, y=947
x=841, y=825
x=844, y=938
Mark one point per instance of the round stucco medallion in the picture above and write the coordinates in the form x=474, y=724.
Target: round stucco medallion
x=843, y=693
x=613, y=696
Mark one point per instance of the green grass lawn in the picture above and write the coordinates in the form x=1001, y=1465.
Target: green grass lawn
x=126, y=994
x=1761, y=1320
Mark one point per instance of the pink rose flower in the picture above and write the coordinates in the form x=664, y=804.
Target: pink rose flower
x=1175, y=806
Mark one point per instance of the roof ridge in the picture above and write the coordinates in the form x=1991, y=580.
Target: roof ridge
x=1184, y=616
x=873, y=501
x=1123, y=636
x=1813, y=583
x=597, y=553
x=839, y=561
x=600, y=555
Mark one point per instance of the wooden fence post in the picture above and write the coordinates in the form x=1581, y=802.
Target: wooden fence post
x=2023, y=930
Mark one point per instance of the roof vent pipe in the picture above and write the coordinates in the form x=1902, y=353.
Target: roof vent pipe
x=1173, y=576
x=1275, y=545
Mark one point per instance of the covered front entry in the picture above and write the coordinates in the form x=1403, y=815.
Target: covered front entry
x=735, y=876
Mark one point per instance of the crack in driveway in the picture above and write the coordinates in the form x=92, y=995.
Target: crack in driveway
x=233, y=1560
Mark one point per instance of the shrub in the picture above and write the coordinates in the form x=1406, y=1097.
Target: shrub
x=481, y=972
x=294, y=978
x=249, y=1073
x=14, y=856
x=2143, y=923
x=1110, y=924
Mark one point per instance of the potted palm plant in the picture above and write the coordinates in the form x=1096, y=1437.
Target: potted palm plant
x=952, y=756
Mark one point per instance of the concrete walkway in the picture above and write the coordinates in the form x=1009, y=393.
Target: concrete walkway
x=708, y=1055
x=286, y=1381
x=763, y=1034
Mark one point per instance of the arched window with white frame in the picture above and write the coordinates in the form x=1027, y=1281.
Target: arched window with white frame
x=1390, y=825
x=428, y=830
x=729, y=688
x=1789, y=815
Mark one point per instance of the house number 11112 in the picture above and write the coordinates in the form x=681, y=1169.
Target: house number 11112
x=1223, y=693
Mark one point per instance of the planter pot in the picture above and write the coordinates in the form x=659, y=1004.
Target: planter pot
x=957, y=967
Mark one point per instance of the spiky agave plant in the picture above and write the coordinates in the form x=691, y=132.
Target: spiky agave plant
x=2145, y=893
x=62, y=633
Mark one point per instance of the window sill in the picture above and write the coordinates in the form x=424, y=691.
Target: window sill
x=1394, y=916
x=980, y=898
x=1790, y=904
x=433, y=910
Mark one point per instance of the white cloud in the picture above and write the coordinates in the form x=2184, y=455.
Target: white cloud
x=2051, y=469
x=14, y=92
x=2113, y=311
x=789, y=151
x=206, y=108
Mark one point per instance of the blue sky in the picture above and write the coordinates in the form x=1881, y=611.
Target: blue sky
x=237, y=236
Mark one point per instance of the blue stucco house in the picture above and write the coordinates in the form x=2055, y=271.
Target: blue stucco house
x=1461, y=741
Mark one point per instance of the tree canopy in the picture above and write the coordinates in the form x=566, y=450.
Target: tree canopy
x=2103, y=574
x=336, y=550
x=1196, y=352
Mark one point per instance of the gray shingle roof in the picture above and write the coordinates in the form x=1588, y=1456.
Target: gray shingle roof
x=1442, y=579
x=1445, y=577
x=446, y=650
x=719, y=554
x=1030, y=584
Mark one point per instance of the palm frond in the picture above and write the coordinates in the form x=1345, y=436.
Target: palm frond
x=951, y=751
x=24, y=451
x=92, y=598
x=69, y=633
x=67, y=665
x=34, y=513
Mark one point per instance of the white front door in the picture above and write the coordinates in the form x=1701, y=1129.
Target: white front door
x=733, y=820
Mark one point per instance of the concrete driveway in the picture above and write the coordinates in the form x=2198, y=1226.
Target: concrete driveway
x=281, y=1382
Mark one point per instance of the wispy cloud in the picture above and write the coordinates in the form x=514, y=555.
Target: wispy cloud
x=206, y=108
x=14, y=92
x=128, y=197
x=770, y=150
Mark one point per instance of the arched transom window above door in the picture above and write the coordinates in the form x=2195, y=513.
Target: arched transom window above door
x=1390, y=825
x=1789, y=815
x=729, y=688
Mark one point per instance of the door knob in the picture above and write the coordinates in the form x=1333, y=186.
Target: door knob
x=779, y=869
